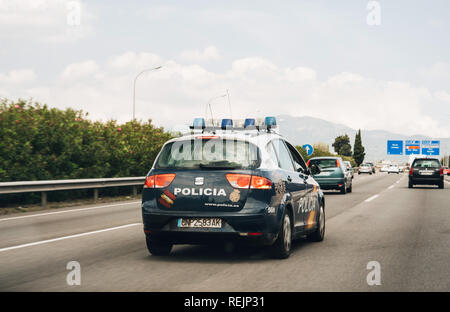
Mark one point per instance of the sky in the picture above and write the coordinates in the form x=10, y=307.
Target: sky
x=366, y=64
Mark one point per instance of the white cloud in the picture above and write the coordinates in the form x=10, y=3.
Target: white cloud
x=79, y=70
x=18, y=76
x=44, y=20
x=176, y=93
x=442, y=96
x=135, y=60
x=208, y=54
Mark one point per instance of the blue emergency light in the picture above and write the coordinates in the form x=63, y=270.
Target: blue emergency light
x=227, y=123
x=199, y=123
x=270, y=122
x=249, y=122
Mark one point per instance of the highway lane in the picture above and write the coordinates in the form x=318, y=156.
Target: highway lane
x=406, y=231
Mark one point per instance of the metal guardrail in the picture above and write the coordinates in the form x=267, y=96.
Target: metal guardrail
x=62, y=185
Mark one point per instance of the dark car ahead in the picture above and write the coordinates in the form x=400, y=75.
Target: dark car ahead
x=251, y=187
x=426, y=171
x=333, y=175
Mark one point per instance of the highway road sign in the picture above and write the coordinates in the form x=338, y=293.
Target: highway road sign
x=308, y=148
x=395, y=147
x=430, y=147
x=412, y=147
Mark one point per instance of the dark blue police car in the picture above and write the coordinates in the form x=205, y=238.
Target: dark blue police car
x=226, y=183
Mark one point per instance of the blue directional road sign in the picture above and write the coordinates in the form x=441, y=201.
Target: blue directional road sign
x=430, y=147
x=308, y=148
x=395, y=147
x=412, y=147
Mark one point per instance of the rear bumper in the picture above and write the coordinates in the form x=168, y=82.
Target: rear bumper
x=235, y=227
x=193, y=238
x=331, y=183
x=426, y=181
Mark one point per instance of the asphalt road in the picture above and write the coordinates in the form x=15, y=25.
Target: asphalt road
x=407, y=231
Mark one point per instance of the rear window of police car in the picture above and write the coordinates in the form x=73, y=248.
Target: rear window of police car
x=209, y=154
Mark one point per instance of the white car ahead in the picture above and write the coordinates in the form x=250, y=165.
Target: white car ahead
x=394, y=169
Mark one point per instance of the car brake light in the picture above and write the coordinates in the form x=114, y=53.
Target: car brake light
x=337, y=163
x=260, y=183
x=207, y=137
x=238, y=180
x=441, y=171
x=307, y=164
x=411, y=171
x=159, y=180
x=245, y=181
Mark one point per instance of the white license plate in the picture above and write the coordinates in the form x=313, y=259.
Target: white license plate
x=426, y=172
x=200, y=223
x=324, y=174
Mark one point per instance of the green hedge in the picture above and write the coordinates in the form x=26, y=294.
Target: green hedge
x=42, y=143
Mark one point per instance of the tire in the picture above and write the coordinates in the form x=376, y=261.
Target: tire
x=410, y=185
x=281, y=249
x=349, y=190
x=158, y=248
x=319, y=233
x=441, y=185
x=344, y=189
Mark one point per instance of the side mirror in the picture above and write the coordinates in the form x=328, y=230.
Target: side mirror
x=314, y=169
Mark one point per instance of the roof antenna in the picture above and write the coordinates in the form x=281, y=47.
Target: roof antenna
x=229, y=105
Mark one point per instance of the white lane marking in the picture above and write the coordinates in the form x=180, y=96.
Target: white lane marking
x=371, y=198
x=64, y=211
x=68, y=237
x=392, y=186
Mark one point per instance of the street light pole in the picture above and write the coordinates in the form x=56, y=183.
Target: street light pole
x=209, y=105
x=134, y=88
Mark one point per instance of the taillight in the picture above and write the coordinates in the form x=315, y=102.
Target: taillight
x=411, y=171
x=159, y=180
x=239, y=180
x=441, y=171
x=245, y=181
x=337, y=163
x=260, y=183
x=307, y=164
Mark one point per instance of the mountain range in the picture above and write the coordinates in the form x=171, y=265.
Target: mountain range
x=310, y=130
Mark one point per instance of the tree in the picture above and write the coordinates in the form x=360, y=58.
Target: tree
x=342, y=145
x=358, y=150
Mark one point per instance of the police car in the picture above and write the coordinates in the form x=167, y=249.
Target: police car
x=219, y=184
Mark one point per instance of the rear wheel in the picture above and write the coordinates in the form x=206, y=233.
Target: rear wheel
x=319, y=232
x=349, y=190
x=410, y=185
x=158, y=248
x=441, y=185
x=343, y=189
x=282, y=247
